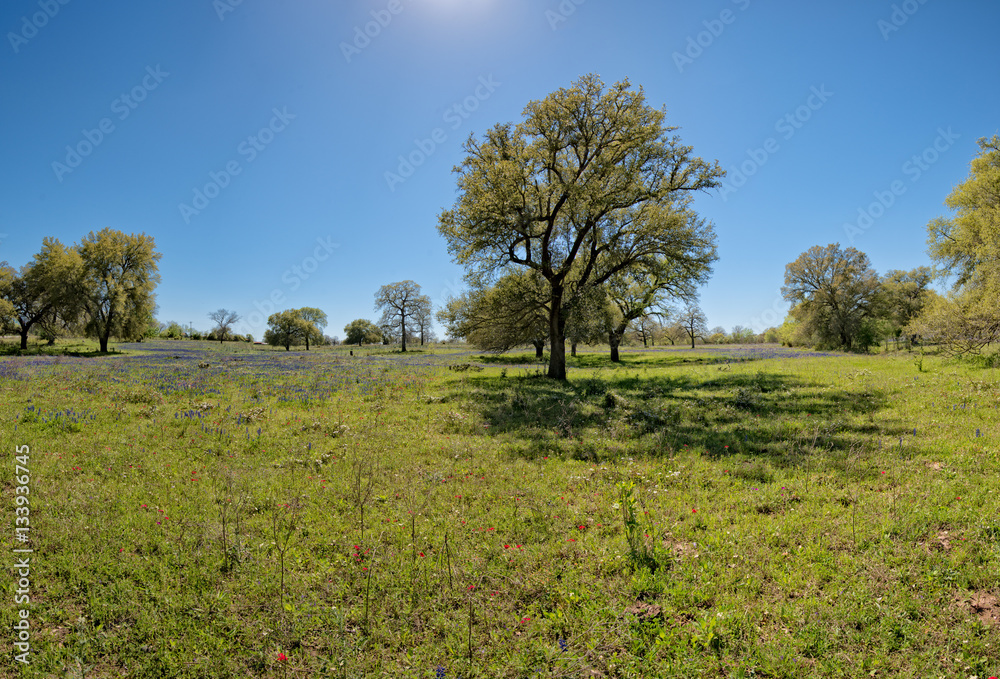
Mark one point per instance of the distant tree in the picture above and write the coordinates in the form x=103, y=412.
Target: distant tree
x=640, y=291
x=361, y=332
x=905, y=294
x=44, y=291
x=674, y=331
x=224, y=320
x=154, y=329
x=398, y=303
x=741, y=335
x=331, y=340
x=119, y=276
x=692, y=319
x=173, y=330
x=315, y=321
x=836, y=296
x=590, y=320
x=285, y=328
x=422, y=317
x=588, y=185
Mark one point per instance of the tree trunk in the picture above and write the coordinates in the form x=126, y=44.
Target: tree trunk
x=24, y=338
x=572, y=349
x=539, y=348
x=403, y=325
x=307, y=342
x=692, y=340
x=614, y=340
x=104, y=344
x=557, y=337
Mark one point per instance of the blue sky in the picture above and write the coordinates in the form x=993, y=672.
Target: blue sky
x=252, y=139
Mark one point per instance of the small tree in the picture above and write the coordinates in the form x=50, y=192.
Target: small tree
x=315, y=321
x=224, y=320
x=361, y=332
x=422, y=316
x=284, y=329
x=398, y=303
x=692, y=319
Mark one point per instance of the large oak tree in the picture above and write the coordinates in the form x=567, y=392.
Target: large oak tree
x=590, y=184
x=834, y=293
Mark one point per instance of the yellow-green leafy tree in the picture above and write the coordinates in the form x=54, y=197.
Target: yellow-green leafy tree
x=119, y=275
x=588, y=185
x=966, y=247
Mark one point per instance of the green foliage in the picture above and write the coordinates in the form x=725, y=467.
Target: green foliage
x=590, y=184
x=45, y=292
x=361, y=332
x=835, y=293
x=119, y=274
x=294, y=326
x=968, y=244
x=508, y=314
x=642, y=550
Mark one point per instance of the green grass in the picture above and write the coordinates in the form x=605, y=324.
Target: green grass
x=677, y=515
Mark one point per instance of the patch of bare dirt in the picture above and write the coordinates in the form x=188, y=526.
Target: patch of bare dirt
x=984, y=605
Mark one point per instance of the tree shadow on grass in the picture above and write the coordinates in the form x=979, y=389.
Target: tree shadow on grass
x=784, y=418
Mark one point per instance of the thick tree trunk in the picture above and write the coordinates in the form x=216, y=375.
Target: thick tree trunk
x=692, y=340
x=614, y=340
x=403, y=324
x=557, y=338
x=104, y=344
x=572, y=349
x=24, y=338
x=539, y=348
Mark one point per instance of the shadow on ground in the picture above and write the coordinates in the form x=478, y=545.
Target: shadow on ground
x=773, y=415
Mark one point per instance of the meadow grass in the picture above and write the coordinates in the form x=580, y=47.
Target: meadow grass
x=200, y=510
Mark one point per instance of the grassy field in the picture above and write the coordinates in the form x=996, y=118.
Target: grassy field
x=199, y=510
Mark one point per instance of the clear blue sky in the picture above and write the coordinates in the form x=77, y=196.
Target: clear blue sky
x=190, y=89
